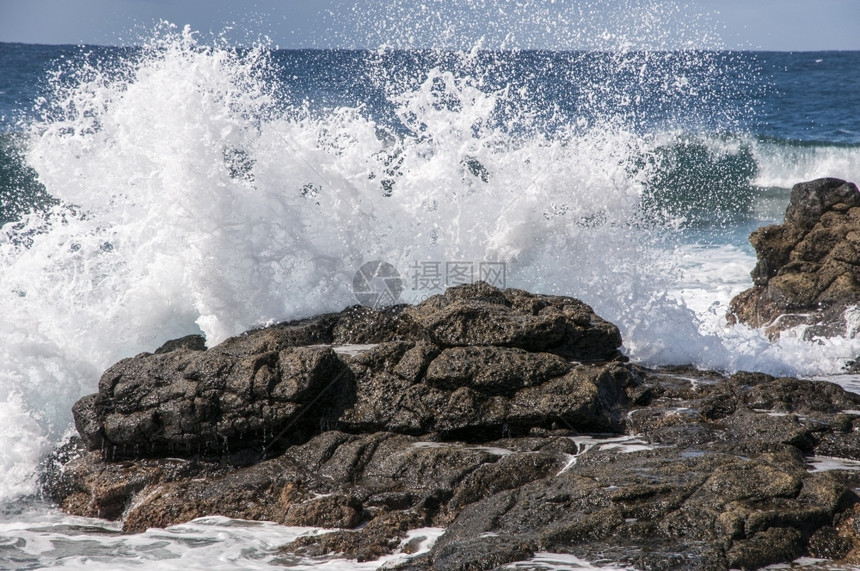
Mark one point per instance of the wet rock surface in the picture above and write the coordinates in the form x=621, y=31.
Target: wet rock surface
x=475, y=358
x=533, y=436
x=808, y=266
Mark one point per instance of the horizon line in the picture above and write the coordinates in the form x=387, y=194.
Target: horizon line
x=276, y=47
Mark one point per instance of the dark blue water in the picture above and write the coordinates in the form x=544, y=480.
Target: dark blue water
x=814, y=97
x=811, y=97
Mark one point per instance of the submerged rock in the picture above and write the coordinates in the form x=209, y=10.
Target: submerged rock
x=470, y=412
x=808, y=266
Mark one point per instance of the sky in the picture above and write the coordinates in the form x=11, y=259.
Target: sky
x=781, y=25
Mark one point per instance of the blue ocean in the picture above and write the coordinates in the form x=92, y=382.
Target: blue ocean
x=191, y=185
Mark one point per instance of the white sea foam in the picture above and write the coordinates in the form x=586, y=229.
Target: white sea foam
x=544, y=561
x=43, y=538
x=827, y=463
x=782, y=165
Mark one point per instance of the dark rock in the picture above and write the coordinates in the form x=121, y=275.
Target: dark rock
x=482, y=391
x=363, y=325
x=185, y=402
x=253, y=493
x=88, y=421
x=467, y=412
x=452, y=363
x=737, y=496
x=90, y=487
x=841, y=441
x=493, y=370
x=378, y=538
x=478, y=314
x=508, y=473
x=806, y=267
x=758, y=511
x=827, y=543
x=335, y=510
x=477, y=553
x=772, y=545
x=190, y=342
x=335, y=480
x=810, y=200
x=757, y=391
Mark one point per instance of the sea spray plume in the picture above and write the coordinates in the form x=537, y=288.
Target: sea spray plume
x=411, y=195
x=137, y=150
x=582, y=153
x=643, y=66
x=156, y=155
x=509, y=196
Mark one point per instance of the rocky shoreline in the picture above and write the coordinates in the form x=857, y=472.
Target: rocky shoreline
x=510, y=419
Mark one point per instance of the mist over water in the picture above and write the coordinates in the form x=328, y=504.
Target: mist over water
x=202, y=187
